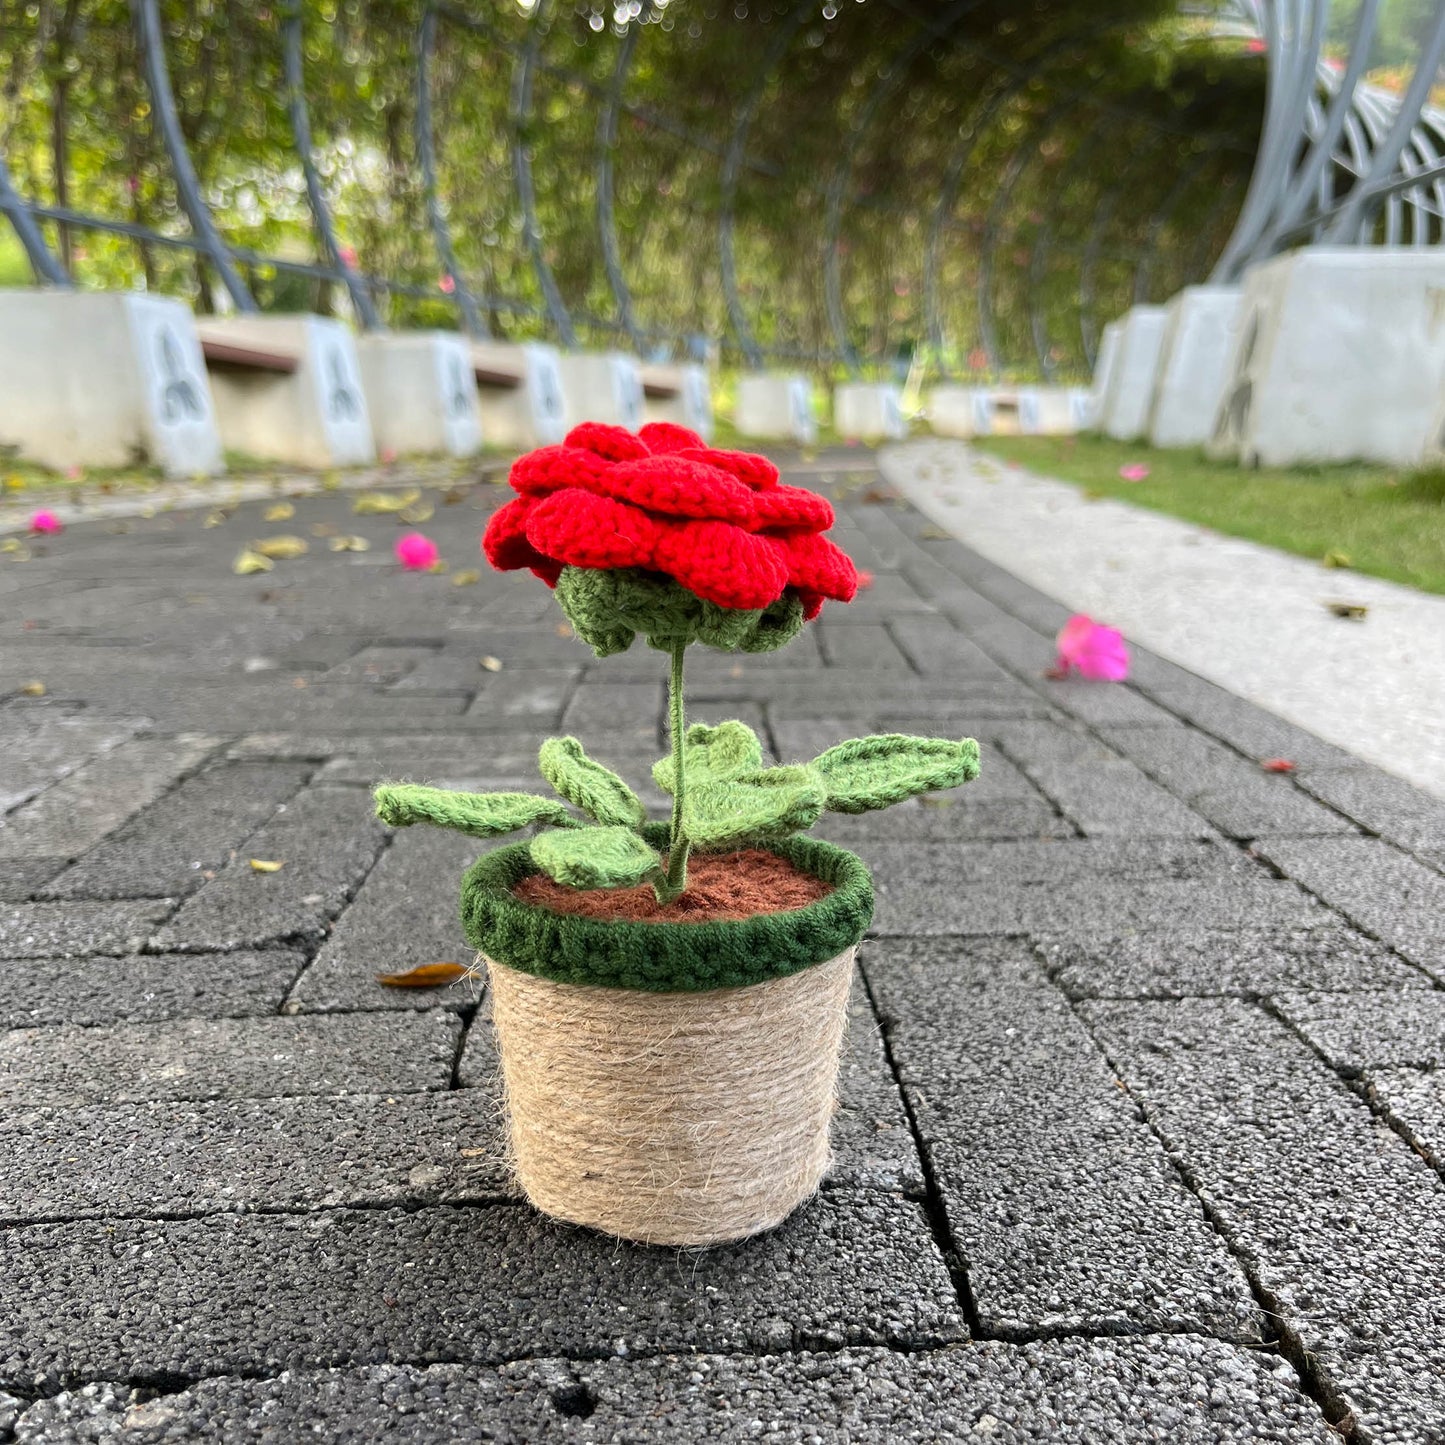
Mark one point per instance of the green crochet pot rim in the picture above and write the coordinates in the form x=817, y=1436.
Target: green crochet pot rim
x=666, y=957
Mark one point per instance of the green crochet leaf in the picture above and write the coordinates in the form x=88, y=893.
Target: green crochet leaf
x=760, y=807
x=595, y=857
x=713, y=755
x=484, y=815
x=608, y=607
x=588, y=785
x=876, y=772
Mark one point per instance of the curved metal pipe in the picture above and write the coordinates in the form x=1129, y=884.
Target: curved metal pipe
x=518, y=110
x=731, y=168
x=148, y=28
x=606, y=145
x=43, y=260
x=293, y=38
x=472, y=319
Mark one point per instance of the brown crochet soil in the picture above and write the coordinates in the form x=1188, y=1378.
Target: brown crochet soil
x=721, y=887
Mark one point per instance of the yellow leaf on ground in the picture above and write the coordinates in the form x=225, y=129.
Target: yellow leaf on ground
x=283, y=547
x=492, y=664
x=330, y=481
x=421, y=512
x=1337, y=559
x=466, y=577
x=1354, y=611
x=214, y=519
x=250, y=561
x=453, y=495
x=425, y=975
x=381, y=502
x=32, y=689
x=322, y=529
x=265, y=865
x=279, y=512
x=349, y=544
x=14, y=483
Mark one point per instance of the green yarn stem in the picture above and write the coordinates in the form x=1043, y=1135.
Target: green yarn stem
x=674, y=884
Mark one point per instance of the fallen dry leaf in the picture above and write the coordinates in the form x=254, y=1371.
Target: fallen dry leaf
x=214, y=519
x=472, y=1153
x=878, y=497
x=330, y=481
x=279, y=512
x=1354, y=611
x=283, y=547
x=453, y=495
x=466, y=577
x=266, y=865
x=492, y=664
x=930, y=533
x=564, y=629
x=32, y=689
x=349, y=544
x=322, y=529
x=250, y=561
x=1277, y=765
x=381, y=502
x=1337, y=559
x=425, y=975
x=420, y=512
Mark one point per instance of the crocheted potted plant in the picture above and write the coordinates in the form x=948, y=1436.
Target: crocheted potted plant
x=669, y=997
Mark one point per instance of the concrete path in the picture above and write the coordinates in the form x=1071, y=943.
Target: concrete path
x=1142, y=1120
x=1248, y=617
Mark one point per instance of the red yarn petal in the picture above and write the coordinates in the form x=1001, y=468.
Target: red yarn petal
x=549, y=468
x=505, y=543
x=615, y=443
x=758, y=472
x=816, y=565
x=667, y=436
x=791, y=507
x=722, y=563
x=584, y=530
x=812, y=603
x=678, y=488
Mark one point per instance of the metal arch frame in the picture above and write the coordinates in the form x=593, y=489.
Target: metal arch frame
x=1018, y=163
x=293, y=41
x=472, y=320
x=209, y=242
x=888, y=82
x=1360, y=205
x=731, y=169
x=518, y=109
x=41, y=257
x=606, y=145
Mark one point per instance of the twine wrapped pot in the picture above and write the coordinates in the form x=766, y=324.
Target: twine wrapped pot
x=670, y=1083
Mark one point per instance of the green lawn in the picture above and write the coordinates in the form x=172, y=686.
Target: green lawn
x=1369, y=518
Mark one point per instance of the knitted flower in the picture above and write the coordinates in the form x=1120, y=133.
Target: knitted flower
x=719, y=523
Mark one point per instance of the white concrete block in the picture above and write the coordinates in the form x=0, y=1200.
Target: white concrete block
x=602, y=386
x=315, y=416
x=868, y=411
x=105, y=379
x=1340, y=357
x=689, y=403
x=1131, y=384
x=776, y=404
x=421, y=392
x=1200, y=326
x=961, y=411
x=529, y=408
x=1105, y=361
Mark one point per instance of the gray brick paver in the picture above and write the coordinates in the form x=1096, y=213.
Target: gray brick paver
x=216, y=1049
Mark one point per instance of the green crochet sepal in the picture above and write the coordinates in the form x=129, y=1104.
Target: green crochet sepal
x=666, y=957
x=608, y=607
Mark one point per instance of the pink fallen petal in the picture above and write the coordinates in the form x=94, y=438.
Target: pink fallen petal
x=865, y=579
x=46, y=522
x=1092, y=650
x=1134, y=471
x=415, y=552
x=387, y=456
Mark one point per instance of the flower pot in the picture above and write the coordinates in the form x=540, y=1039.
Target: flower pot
x=666, y=1082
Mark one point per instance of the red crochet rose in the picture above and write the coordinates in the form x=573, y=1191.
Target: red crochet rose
x=718, y=522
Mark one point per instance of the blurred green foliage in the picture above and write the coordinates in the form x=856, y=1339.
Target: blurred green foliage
x=1094, y=138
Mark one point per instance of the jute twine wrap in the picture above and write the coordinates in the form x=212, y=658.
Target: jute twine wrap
x=671, y=1118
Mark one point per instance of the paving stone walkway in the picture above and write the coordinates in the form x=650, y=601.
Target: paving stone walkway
x=1143, y=1114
